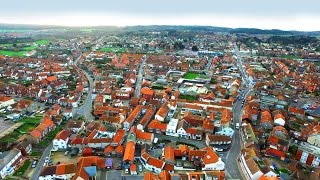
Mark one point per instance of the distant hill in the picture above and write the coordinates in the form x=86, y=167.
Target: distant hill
x=12, y=27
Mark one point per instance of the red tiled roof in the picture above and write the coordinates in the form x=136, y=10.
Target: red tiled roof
x=210, y=157
x=129, y=151
x=64, y=134
x=155, y=162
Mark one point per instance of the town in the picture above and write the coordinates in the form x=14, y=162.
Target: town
x=159, y=104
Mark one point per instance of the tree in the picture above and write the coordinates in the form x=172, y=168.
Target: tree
x=195, y=48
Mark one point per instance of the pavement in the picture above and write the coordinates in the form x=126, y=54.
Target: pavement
x=40, y=163
x=232, y=155
x=139, y=77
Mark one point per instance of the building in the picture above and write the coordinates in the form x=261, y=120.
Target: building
x=9, y=161
x=308, y=154
x=61, y=140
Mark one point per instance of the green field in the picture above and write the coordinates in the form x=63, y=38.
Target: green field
x=110, y=49
x=13, y=53
x=42, y=42
x=190, y=75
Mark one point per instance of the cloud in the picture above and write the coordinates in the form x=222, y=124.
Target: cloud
x=283, y=14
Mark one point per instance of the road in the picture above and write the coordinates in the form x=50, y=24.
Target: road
x=40, y=163
x=139, y=77
x=196, y=143
x=86, y=108
x=232, y=155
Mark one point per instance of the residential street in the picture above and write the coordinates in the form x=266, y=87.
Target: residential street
x=139, y=77
x=40, y=163
x=86, y=108
x=232, y=155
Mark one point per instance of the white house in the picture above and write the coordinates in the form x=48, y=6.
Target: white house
x=154, y=165
x=279, y=119
x=181, y=129
x=212, y=161
x=61, y=140
x=6, y=101
x=249, y=167
x=226, y=131
x=61, y=171
x=9, y=162
x=172, y=127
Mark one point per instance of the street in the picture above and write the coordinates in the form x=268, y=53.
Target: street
x=139, y=77
x=231, y=166
x=40, y=163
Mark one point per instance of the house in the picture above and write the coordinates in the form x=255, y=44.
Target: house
x=162, y=112
x=133, y=169
x=171, y=129
x=279, y=119
x=194, y=133
x=9, y=161
x=134, y=115
x=248, y=164
x=212, y=161
x=86, y=167
x=61, y=171
x=25, y=147
x=118, y=138
x=147, y=93
x=266, y=121
x=146, y=119
x=218, y=141
x=168, y=155
x=226, y=132
x=154, y=165
x=144, y=137
x=182, y=129
x=75, y=126
x=61, y=140
x=308, y=154
x=156, y=126
x=278, y=142
x=129, y=152
x=6, y=101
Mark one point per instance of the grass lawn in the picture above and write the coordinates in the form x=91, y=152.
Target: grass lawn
x=23, y=168
x=188, y=97
x=25, y=128
x=190, y=75
x=30, y=48
x=35, y=153
x=42, y=42
x=110, y=49
x=13, y=53
x=31, y=120
x=28, y=123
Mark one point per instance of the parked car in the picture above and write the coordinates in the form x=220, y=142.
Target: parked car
x=140, y=168
x=34, y=163
x=127, y=171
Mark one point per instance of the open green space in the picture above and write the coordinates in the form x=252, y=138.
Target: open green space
x=28, y=124
x=12, y=53
x=31, y=120
x=190, y=75
x=42, y=42
x=111, y=49
x=188, y=97
x=23, y=168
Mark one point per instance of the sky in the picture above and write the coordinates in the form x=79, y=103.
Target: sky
x=267, y=14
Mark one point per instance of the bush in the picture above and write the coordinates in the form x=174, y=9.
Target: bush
x=23, y=168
